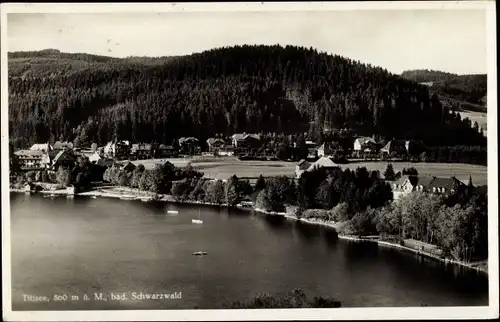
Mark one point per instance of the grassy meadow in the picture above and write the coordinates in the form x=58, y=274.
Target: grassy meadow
x=223, y=168
x=479, y=117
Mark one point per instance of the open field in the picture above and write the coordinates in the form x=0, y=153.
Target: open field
x=223, y=168
x=460, y=170
x=479, y=117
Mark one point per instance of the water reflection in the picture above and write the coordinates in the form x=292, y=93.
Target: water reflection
x=331, y=237
x=275, y=222
x=308, y=232
x=359, y=252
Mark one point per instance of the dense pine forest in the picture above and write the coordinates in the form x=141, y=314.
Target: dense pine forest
x=90, y=98
x=467, y=88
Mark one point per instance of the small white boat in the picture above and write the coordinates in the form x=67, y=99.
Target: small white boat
x=93, y=197
x=197, y=221
x=52, y=195
x=172, y=211
x=200, y=253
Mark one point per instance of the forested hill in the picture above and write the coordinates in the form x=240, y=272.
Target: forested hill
x=467, y=88
x=91, y=98
x=53, y=63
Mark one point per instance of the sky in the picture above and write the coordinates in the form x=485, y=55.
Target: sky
x=449, y=40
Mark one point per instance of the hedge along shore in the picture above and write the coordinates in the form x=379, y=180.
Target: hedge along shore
x=117, y=192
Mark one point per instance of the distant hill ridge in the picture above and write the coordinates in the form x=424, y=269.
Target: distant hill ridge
x=467, y=88
x=84, y=97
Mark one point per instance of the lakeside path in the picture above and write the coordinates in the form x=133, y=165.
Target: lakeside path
x=136, y=194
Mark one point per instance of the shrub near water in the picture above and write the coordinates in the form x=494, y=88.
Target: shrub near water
x=294, y=299
x=317, y=214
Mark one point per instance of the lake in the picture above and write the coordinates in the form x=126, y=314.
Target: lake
x=83, y=246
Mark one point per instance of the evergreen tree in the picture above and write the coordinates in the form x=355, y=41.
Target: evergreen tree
x=389, y=173
x=231, y=191
x=260, y=184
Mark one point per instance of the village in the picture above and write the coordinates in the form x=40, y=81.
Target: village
x=300, y=154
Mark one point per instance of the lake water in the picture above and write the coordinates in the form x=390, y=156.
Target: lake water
x=85, y=246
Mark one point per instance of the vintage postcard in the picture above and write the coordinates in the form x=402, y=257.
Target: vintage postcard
x=249, y=161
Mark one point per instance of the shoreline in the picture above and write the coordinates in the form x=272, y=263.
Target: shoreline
x=377, y=241
x=136, y=194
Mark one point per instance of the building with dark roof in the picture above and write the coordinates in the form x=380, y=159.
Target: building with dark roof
x=394, y=147
x=323, y=162
x=365, y=144
x=214, y=144
x=245, y=140
x=129, y=167
x=141, y=151
x=189, y=145
x=64, y=158
x=165, y=151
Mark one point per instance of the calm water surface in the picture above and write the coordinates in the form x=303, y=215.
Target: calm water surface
x=85, y=246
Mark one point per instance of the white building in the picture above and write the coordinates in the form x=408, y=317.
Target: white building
x=323, y=162
x=365, y=144
x=429, y=184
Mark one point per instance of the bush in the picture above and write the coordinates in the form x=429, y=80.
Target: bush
x=63, y=176
x=198, y=191
x=244, y=188
x=364, y=223
x=52, y=177
x=124, y=180
x=340, y=212
x=345, y=229
x=316, y=214
x=180, y=189
x=215, y=192
x=410, y=172
x=262, y=201
x=45, y=176
x=294, y=299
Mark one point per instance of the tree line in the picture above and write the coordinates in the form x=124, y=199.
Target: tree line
x=457, y=223
x=459, y=226
x=231, y=89
x=157, y=180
